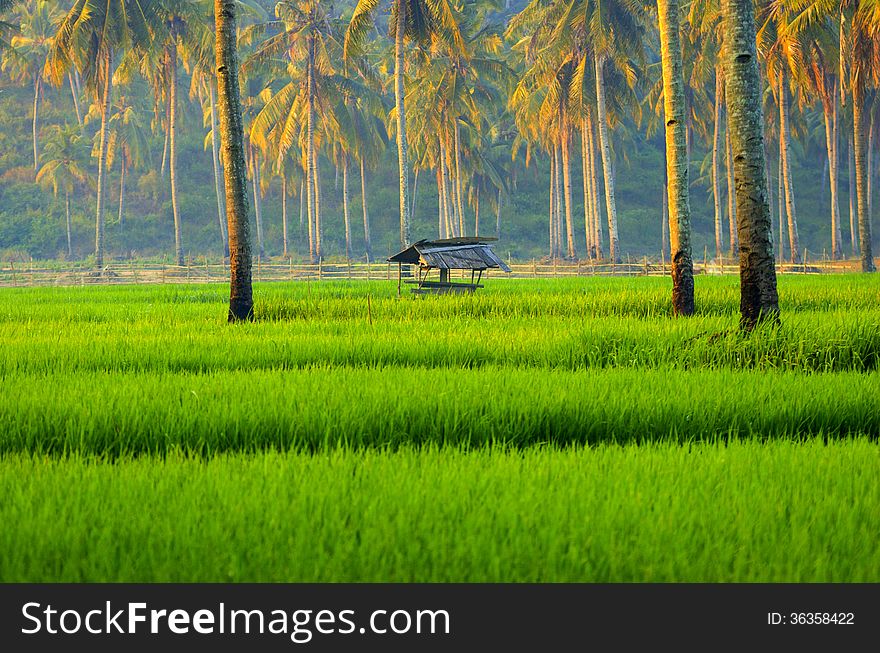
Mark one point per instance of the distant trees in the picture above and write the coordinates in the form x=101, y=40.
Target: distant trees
x=65, y=168
x=465, y=88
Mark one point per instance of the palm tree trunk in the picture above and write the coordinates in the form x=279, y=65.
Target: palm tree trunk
x=241, y=303
x=594, y=182
x=676, y=159
x=79, y=120
x=167, y=67
x=310, y=151
x=605, y=147
x=218, y=174
x=552, y=219
x=870, y=165
x=122, y=167
x=69, y=239
x=731, y=191
x=477, y=214
x=716, y=182
x=831, y=138
x=852, y=199
x=402, y=148
x=175, y=204
x=780, y=256
x=785, y=135
x=284, y=252
x=566, y=176
x=102, y=159
x=459, y=192
x=368, y=244
x=758, y=296
x=585, y=175
x=319, y=232
x=664, y=216
x=441, y=211
x=345, y=202
x=557, y=153
x=859, y=137
x=415, y=197
x=36, y=125
x=498, y=216
x=258, y=204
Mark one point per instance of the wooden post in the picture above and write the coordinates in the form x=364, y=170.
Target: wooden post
x=705, y=259
x=534, y=268
x=320, y=269
x=399, y=275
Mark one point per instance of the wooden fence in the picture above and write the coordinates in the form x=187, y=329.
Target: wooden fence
x=137, y=272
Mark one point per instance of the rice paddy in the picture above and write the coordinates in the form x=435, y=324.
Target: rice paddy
x=540, y=430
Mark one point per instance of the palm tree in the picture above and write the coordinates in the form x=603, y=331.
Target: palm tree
x=418, y=21
x=204, y=88
x=676, y=158
x=758, y=297
x=88, y=38
x=241, y=299
x=27, y=54
x=127, y=140
x=64, y=167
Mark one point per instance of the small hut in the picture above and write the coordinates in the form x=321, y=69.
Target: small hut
x=472, y=254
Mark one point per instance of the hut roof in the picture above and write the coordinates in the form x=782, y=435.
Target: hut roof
x=451, y=254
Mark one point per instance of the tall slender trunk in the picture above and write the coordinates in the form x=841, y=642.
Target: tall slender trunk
x=498, y=216
x=102, y=158
x=716, y=182
x=674, y=112
x=166, y=67
x=758, y=297
x=558, y=202
x=831, y=138
x=415, y=197
x=310, y=150
x=319, y=228
x=38, y=86
x=605, y=147
x=402, y=148
x=585, y=174
x=284, y=251
x=459, y=191
x=368, y=244
x=552, y=217
x=302, y=202
x=870, y=165
x=175, y=203
x=566, y=177
x=731, y=192
x=67, y=213
x=79, y=120
x=258, y=203
x=477, y=213
x=241, y=304
x=780, y=256
x=852, y=200
x=218, y=174
x=441, y=210
x=785, y=135
x=345, y=206
x=664, y=216
x=123, y=237
x=594, y=182
x=859, y=138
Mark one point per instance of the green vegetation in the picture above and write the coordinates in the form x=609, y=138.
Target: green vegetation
x=742, y=511
x=536, y=431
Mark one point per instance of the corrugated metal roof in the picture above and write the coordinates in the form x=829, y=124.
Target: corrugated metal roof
x=451, y=254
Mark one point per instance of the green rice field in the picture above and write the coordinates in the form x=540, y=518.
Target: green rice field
x=540, y=430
